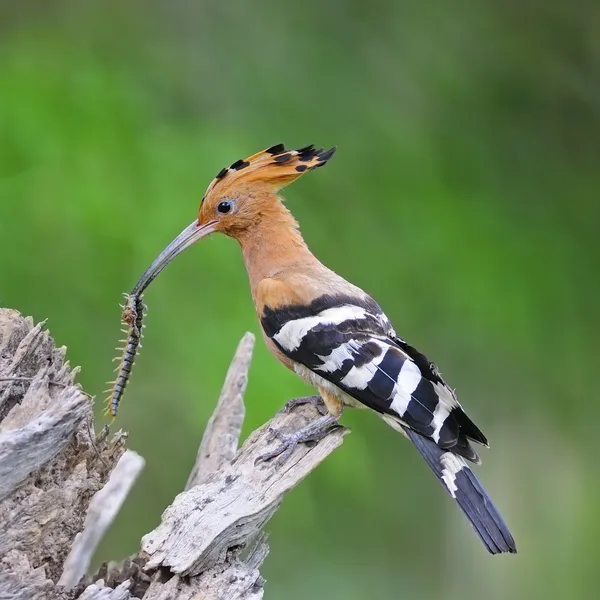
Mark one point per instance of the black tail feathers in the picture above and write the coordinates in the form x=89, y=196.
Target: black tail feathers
x=460, y=482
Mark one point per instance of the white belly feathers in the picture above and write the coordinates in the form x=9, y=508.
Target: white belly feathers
x=318, y=382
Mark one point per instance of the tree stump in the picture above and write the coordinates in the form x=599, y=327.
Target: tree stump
x=61, y=485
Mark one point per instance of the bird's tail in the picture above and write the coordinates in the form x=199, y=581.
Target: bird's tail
x=460, y=482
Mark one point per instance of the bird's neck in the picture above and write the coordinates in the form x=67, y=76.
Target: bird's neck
x=274, y=245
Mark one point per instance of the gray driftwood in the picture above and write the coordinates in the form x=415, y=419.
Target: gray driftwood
x=61, y=486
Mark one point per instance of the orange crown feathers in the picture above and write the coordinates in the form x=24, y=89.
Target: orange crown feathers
x=274, y=166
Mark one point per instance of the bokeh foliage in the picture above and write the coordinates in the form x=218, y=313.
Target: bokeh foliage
x=464, y=197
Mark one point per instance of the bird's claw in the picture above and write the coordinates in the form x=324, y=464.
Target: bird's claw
x=285, y=448
x=313, y=432
x=315, y=401
x=276, y=434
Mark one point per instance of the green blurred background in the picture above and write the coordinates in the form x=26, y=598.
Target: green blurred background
x=464, y=196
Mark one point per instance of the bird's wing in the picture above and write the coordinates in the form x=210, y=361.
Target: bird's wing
x=349, y=342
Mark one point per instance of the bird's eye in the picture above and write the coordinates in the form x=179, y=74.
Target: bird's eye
x=224, y=207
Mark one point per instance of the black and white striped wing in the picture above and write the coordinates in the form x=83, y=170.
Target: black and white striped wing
x=350, y=343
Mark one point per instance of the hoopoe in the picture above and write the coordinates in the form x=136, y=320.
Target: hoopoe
x=334, y=335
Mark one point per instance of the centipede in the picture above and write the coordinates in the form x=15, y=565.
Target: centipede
x=132, y=315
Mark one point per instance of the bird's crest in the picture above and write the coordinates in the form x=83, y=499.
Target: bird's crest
x=275, y=166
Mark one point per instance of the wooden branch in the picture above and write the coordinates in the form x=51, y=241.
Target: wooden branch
x=102, y=510
x=221, y=437
x=233, y=504
x=61, y=486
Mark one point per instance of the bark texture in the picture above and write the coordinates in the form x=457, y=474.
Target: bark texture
x=61, y=485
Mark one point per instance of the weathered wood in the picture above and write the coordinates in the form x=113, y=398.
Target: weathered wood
x=222, y=433
x=232, y=578
x=58, y=496
x=98, y=591
x=13, y=586
x=25, y=450
x=50, y=461
x=226, y=581
x=102, y=510
x=233, y=504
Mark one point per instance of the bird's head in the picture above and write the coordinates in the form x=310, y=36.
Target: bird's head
x=239, y=197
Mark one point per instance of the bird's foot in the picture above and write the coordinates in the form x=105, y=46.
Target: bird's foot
x=316, y=401
x=313, y=432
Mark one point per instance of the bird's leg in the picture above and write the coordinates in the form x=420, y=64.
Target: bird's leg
x=316, y=401
x=313, y=432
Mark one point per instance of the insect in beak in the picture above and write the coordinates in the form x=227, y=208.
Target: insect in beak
x=190, y=235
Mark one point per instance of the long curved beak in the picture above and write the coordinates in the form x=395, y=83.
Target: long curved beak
x=190, y=235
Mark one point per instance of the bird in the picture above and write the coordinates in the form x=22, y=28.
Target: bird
x=333, y=335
